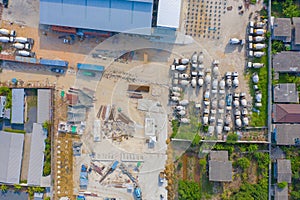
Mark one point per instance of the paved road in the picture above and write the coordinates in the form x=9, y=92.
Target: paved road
x=269, y=97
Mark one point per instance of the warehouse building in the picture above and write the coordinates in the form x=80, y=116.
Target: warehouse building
x=11, y=154
x=18, y=102
x=126, y=16
x=44, y=105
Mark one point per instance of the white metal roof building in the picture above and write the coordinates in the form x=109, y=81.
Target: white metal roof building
x=17, y=113
x=11, y=154
x=2, y=105
x=36, y=158
x=168, y=14
x=44, y=105
x=105, y=15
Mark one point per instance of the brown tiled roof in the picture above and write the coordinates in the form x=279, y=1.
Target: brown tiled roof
x=287, y=113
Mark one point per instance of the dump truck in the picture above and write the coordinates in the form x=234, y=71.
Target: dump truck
x=207, y=78
x=178, y=68
x=184, y=102
x=238, y=122
x=194, y=82
x=258, y=38
x=24, y=40
x=184, y=61
x=25, y=46
x=8, y=32
x=25, y=53
x=228, y=79
x=176, y=89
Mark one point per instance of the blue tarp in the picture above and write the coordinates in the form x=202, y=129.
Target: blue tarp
x=25, y=59
x=90, y=67
x=56, y=63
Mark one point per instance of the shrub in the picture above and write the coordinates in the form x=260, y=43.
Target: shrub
x=4, y=188
x=231, y=138
x=14, y=130
x=282, y=185
x=243, y=163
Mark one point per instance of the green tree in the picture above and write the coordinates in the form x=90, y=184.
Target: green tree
x=231, y=138
x=243, y=162
x=202, y=163
x=17, y=187
x=179, y=166
x=38, y=189
x=4, y=188
x=188, y=190
x=47, y=198
x=282, y=184
x=290, y=9
x=252, y=148
x=277, y=46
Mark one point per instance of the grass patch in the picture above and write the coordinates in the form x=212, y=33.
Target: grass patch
x=14, y=130
x=260, y=119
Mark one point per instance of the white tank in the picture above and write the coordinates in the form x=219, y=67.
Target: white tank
x=180, y=108
x=200, y=82
x=23, y=53
x=21, y=39
x=194, y=58
x=4, y=31
x=4, y=39
x=255, y=78
x=184, y=102
x=238, y=122
x=258, y=54
x=246, y=121
x=185, y=120
x=205, y=120
x=176, y=89
x=175, y=98
x=184, y=61
x=259, y=31
x=236, y=103
x=244, y=102
x=194, y=82
x=182, y=113
x=181, y=67
x=257, y=65
x=259, y=46
x=19, y=45
x=234, y=41
x=259, y=38
x=235, y=81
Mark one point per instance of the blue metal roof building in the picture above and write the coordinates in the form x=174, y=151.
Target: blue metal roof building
x=106, y=15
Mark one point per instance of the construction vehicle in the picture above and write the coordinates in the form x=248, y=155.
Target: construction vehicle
x=184, y=61
x=200, y=79
x=194, y=58
x=184, y=76
x=238, y=122
x=259, y=24
x=178, y=68
x=258, y=54
x=137, y=193
x=184, y=82
x=176, y=89
x=7, y=32
x=24, y=40
x=222, y=84
x=258, y=46
x=234, y=41
x=25, y=53
x=243, y=100
x=245, y=121
x=110, y=170
x=25, y=46
x=259, y=31
x=258, y=39
x=207, y=78
x=255, y=65
x=179, y=108
x=174, y=98
x=97, y=169
x=200, y=58
x=206, y=97
x=6, y=39
x=255, y=77
x=229, y=100
x=228, y=79
x=194, y=82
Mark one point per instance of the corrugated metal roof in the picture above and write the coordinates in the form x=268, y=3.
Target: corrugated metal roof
x=107, y=15
x=168, y=14
x=17, y=114
x=36, y=158
x=90, y=67
x=57, y=63
x=11, y=153
x=11, y=195
x=44, y=105
x=287, y=113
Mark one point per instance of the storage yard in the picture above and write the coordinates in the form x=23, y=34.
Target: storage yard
x=122, y=113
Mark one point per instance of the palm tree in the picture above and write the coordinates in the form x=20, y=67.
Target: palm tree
x=4, y=188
